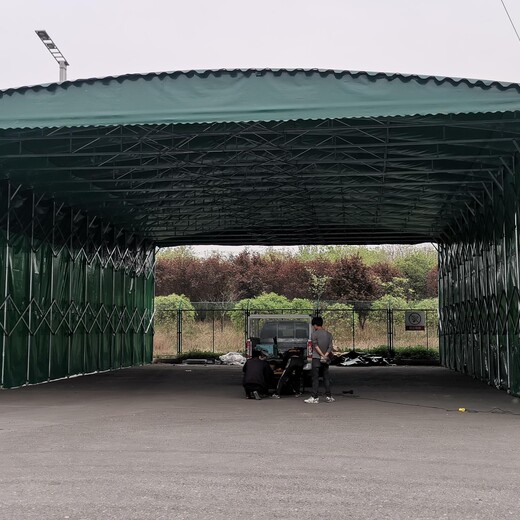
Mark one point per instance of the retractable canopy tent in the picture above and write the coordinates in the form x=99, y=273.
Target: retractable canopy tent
x=113, y=167
x=264, y=157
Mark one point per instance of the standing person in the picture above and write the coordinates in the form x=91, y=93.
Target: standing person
x=258, y=375
x=293, y=363
x=321, y=355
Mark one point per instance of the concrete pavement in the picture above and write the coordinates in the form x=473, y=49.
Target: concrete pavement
x=181, y=442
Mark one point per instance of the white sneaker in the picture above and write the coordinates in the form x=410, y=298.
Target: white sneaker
x=275, y=396
x=312, y=400
x=329, y=399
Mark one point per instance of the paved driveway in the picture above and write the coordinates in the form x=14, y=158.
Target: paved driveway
x=177, y=442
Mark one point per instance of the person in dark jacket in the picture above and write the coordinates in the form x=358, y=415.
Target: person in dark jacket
x=258, y=375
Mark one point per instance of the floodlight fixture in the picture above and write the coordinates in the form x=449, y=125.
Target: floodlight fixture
x=56, y=53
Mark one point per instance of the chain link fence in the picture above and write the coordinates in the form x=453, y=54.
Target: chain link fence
x=221, y=327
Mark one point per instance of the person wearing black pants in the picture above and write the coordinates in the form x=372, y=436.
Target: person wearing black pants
x=293, y=361
x=317, y=364
x=321, y=356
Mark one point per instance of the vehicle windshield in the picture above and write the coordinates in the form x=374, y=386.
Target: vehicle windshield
x=284, y=330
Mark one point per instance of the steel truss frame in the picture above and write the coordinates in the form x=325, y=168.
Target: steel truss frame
x=76, y=291
x=450, y=179
x=384, y=180
x=479, y=280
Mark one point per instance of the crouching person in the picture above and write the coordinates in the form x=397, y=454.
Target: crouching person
x=258, y=375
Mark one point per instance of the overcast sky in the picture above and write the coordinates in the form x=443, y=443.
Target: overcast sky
x=461, y=38
x=458, y=38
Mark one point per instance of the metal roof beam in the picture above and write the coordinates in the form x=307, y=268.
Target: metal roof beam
x=179, y=151
x=431, y=160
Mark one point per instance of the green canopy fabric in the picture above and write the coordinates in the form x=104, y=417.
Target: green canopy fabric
x=249, y=95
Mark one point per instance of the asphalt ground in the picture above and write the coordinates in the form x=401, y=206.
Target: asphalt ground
x=181, y=442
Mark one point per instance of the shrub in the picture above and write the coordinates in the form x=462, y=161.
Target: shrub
x=410, y=352
x=166, y=308
x=337, y=319
x=416, y=352
x=380, y=350
x=431, y=304
x=269, y=303
x=336, y=311
x=383, y=304
x=198, y=354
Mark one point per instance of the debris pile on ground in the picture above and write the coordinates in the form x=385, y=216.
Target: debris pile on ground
x=353, y=358
x=233, y=358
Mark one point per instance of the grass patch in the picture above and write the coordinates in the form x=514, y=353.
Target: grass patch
x=199, y=337
x=221, y=337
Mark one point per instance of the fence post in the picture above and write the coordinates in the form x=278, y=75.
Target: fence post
x=353, y=330
x=247, y=313
x=427, y=346
x=179, y=329
x=390, y=330
x=213, y=330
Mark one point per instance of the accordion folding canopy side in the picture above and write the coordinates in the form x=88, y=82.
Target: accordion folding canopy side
x=96, y=173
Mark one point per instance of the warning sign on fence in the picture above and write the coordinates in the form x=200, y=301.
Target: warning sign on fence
x=415, y=320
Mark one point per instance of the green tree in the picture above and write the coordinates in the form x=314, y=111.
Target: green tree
x=398, y=287
x=317, y=284
x=416, y=266
x=176, y=252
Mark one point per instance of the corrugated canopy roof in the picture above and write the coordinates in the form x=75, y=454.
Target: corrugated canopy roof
x=223, y=96
x=267, y=156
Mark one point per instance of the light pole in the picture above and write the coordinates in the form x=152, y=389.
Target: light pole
x=56, y=53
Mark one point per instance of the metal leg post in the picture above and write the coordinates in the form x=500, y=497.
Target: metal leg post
x=6, y=280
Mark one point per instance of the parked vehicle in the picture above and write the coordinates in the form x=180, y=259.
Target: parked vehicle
x=277, y=333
